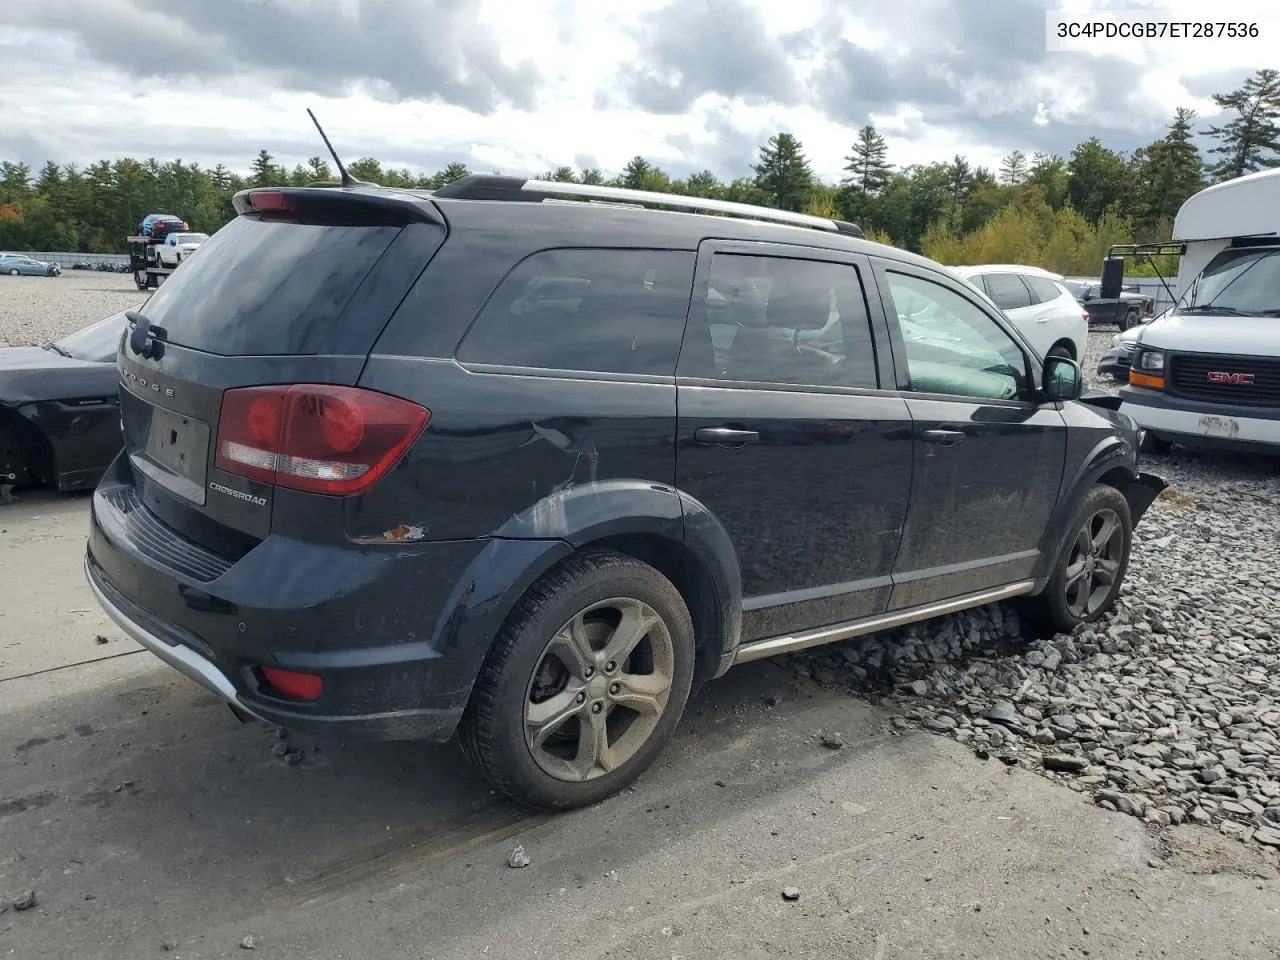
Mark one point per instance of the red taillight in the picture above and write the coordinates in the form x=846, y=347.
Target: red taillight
x=269, y=201
x=315, y=437
x=299, y=686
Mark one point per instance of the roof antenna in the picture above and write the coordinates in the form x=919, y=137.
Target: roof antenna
x=347, y=179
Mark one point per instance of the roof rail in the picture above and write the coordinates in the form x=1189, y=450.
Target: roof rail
x=493, y=187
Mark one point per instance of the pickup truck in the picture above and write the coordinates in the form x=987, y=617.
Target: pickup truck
x=178, y=246
x=1124, y=311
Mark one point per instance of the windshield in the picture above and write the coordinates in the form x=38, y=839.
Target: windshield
x=98, y=341
x=1245, y=281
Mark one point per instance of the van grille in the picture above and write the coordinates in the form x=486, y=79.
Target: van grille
x=1248, y=381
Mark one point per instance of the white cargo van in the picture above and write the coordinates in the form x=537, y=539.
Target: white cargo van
x=1206, y=372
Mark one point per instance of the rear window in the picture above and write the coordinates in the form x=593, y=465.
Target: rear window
x=603, y=311
x=266, y=287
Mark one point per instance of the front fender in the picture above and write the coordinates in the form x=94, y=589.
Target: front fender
x=1112, y=457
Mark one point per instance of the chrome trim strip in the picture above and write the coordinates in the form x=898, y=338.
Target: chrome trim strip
x=181, y=658
x=759, y=649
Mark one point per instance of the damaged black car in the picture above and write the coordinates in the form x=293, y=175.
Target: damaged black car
x=60, y=410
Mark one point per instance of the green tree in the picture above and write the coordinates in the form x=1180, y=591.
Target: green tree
x=1013, y=168
x=783, y=174
x=1049, y=172
x=867, y=173
x=959, y=179
x=1167, y=172
x=1099, y=178
x=1250, y=140
x=265, y=172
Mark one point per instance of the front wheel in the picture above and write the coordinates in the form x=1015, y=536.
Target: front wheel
x=1127, y=320
x=585, y=683
x=1091, y=566
x=13, y=272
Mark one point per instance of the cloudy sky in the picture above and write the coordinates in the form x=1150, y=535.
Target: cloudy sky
x=525, y=85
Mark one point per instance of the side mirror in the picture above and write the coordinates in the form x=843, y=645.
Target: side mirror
x=1061, y=379
x=1112, y=277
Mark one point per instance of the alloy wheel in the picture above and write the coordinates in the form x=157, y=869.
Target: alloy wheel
x=1094, y=563
x=600, y=689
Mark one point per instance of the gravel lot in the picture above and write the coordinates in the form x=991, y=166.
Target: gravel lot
x=1168, y=711
x=34, y=310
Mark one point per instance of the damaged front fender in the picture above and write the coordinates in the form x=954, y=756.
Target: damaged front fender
x=1142, y=492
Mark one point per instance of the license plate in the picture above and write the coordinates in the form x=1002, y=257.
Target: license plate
x=170, y=448
x=1212, y=426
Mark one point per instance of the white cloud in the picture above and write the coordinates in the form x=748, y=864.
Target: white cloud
x=63, y=98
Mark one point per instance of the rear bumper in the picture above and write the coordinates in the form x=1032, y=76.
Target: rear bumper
x=384, y=629
x=1200, y=424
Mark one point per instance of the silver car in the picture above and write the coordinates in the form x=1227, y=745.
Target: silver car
x=16, y=265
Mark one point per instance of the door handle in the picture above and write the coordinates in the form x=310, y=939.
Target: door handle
x=725, y=436
x=946, y=438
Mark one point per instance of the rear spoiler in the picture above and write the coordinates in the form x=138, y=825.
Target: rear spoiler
x=361, y=205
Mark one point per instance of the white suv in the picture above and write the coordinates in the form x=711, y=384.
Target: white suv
x=1037, y=302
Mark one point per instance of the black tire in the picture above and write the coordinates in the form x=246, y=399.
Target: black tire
x=1128, y=320
x=1058, y=608
x=140, y=278
x=493, y=729
x=1061, y=350
x=13, y=272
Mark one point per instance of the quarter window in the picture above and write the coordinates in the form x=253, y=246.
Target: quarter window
x=782, y=320
x=1008, y=291
x=952, y=346
x=1043, y=288
x=603, y=311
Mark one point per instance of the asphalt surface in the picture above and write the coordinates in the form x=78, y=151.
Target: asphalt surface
x=144, y=816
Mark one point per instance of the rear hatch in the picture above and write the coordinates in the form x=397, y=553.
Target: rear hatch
x=237, y=376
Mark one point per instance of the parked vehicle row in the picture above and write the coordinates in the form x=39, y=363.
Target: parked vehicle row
x=469, y=461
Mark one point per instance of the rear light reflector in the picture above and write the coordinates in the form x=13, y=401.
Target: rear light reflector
x=319, y=438
x=291, y=683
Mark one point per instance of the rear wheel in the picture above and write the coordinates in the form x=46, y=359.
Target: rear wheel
x=1092, y=563
x=585, y=683
x=1127, y=320
x=13, y=272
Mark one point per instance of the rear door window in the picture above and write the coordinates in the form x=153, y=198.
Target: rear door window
x=783, y=320
x=591, y=310
x=267, y=287
x=1008, y=291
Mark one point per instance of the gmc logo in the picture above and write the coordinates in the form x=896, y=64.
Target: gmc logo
x=1240, y=379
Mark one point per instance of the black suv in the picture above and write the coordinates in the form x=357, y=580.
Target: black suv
x=490, y=460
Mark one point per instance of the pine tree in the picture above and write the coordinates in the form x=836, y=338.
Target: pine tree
x=783, y=173
x=867, y=166
x=265, y=171
x=1169, y=171
x=1251, y=140
x=959, y=178
x=1013, y=168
